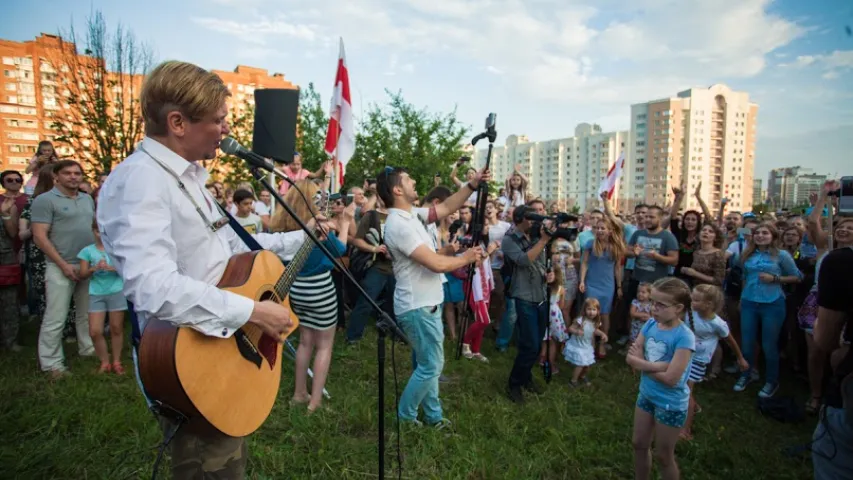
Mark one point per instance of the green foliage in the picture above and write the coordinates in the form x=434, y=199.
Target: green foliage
x=400, y=135
x=102, y=123
x=92, y=426
x=761, y=208
x=313, y=122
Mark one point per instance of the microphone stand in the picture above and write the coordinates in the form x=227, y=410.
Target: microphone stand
x=384, y=325
x=478, y=219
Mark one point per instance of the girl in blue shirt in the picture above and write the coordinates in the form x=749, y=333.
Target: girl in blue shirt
x=765, y=269
x=662, y=352
x=106, y=300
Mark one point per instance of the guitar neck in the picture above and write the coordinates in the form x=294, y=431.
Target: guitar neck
x=282, y=287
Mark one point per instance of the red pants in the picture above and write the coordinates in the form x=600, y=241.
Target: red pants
x=474, y=334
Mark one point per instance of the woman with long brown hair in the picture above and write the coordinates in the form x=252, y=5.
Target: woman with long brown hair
x=313, y=299
x=601, y=270
x=765, y=269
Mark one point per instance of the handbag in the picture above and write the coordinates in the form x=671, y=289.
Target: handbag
x=10, y=275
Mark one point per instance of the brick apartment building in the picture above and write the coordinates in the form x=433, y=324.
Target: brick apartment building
x=31, y=96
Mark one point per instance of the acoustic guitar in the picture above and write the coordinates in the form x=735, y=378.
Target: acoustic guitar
x=229, y=384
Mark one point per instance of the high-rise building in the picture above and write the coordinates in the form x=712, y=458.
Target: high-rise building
x=702, y=135
x=567, y=170
x=30, y=96
x=790, y=187
x=758, y=193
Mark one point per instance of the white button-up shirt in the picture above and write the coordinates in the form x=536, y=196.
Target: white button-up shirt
x=169, y=259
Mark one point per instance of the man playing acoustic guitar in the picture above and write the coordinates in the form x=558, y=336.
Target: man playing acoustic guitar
x=171, y=242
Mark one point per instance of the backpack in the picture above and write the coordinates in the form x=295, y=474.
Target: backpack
x=359, y=261
x=734, y=279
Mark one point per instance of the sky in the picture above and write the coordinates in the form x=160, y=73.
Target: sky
x=543, y=66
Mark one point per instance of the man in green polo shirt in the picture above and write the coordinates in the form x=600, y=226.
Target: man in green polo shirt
x=62, y=226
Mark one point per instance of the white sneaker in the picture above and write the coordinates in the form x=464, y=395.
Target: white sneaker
x=480, y=357
x=768, y=390
x=466, y=351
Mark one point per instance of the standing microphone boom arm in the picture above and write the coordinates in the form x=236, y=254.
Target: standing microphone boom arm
x=478, y=220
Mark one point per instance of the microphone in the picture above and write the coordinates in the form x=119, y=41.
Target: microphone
x=231, y=147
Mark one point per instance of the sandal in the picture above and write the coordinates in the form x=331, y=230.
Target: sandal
x=300, y=400
x=105, y=368
x=117, y=368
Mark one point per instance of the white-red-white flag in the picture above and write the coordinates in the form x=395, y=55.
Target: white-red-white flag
x=609, y=183
x=340, y=136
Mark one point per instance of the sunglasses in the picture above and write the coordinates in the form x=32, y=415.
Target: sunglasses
x=14, y=180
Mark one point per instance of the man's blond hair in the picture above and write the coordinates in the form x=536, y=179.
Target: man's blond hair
x=179, y=86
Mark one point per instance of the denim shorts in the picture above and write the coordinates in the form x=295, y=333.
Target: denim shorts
x=670, y=418
x=107, y=303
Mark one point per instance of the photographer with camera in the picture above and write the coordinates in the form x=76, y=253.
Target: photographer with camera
x=524, y=251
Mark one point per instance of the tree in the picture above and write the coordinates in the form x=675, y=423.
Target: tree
x=100, y=85
x=229, y=169
x=311, y=138
x=398, y=134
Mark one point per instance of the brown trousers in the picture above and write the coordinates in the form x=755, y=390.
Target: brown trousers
x=213, y=456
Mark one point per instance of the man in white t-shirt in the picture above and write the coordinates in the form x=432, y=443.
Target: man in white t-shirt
x=418, y=295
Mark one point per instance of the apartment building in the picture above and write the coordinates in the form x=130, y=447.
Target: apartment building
x=31, y=95
x=569, y=170
x=759, y=195
x=790, y=187
x=702, y=135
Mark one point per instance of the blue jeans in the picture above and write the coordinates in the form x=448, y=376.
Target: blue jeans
x=507, y=325
x=771, y=317
x=426, y=335
x=531, y=327
x=380, y=287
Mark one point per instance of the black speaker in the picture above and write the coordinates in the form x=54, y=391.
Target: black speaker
x=274, y=135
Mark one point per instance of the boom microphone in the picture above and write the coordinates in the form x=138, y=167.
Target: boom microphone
x=231, y=147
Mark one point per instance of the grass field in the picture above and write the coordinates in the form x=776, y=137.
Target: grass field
x=96, y=427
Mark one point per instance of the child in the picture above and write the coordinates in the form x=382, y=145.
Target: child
x=641, y=309
x=105, y=298
x=482, y=287
x=556, y=334
x=244, y=201
x=708, y=328
x=662, y=353
x=579, y=350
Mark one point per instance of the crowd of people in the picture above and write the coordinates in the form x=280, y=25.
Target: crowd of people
x=681, y=296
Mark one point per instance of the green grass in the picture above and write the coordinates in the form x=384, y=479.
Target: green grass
x=96, y=427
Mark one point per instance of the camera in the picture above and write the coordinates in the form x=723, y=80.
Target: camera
x=845, y=196
x=565, y=233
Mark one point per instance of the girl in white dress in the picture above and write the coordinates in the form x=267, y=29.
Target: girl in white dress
x=556, y=334
x=579, y=350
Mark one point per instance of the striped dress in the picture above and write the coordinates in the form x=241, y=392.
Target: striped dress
x=314, y=301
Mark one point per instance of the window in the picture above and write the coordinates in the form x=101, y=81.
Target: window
x=22, y=136
x=11, y=99
x=9, y=73
x=8, y=61
x=8, y=109
x=19, y=161
x=11, y=87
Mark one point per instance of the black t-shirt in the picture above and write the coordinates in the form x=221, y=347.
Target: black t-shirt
x=834, y=293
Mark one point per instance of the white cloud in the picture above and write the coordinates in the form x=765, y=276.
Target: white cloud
x=257, y=32
x=832, y=65
x=570, y=51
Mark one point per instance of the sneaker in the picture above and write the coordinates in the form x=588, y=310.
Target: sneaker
x=534, y=388
x=622, y=340
x=742, y=382
x=768, y=390
x=586, y=382
x=753, y=375
x=480, y=357
x=515, y=395
x=411, y=423
x=501, y=349
x=441, y=424
x=443, y=379
x=466, y=351
x=732, y=369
